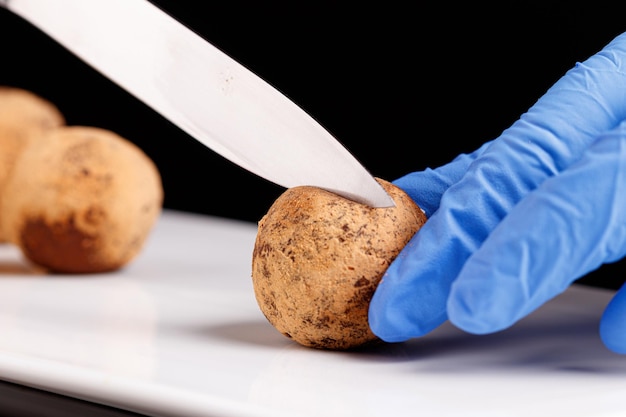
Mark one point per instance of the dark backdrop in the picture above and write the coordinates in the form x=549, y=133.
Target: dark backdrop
x=404, y=86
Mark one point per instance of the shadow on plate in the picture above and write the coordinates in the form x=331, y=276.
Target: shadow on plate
x=570, y=346
x=551, y=344
x=252, y=332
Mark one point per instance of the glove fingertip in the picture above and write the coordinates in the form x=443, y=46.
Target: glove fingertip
x=400, y=309
x=390, y=321
x=469, y=318
x=483, y=302
x=613, y=323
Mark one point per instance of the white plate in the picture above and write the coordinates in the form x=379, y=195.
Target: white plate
x=179, y=333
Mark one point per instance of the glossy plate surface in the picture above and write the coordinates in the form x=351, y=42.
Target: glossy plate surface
x=179, y=333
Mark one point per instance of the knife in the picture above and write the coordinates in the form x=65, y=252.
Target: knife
x=203, y=91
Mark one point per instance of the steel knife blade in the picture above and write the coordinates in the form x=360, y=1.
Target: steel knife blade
x=203, y=91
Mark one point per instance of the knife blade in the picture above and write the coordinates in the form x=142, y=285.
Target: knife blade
x=203, y=91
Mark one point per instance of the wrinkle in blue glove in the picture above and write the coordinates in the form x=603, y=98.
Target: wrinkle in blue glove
x=452, y=267
x=569, y=226
x=427, y=187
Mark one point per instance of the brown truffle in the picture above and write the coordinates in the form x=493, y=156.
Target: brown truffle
x=24, y=117
x=318, y=258
x=83, y=200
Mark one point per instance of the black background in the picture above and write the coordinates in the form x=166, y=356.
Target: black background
x=403, y=85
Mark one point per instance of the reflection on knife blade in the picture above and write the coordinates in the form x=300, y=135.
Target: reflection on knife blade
x=204, y=92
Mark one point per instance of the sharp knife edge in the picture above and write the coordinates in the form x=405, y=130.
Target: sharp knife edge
x=203, y=91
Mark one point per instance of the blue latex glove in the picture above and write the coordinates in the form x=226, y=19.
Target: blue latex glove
x=513, y=224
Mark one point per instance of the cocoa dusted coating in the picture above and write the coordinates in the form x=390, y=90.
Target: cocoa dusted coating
x=24, y=118
x=318, y=259
x=62, y=246
x=87, y=207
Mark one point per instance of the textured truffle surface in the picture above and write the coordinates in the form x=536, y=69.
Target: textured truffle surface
x=82, y=201
x=318, y=258
x=24, y=117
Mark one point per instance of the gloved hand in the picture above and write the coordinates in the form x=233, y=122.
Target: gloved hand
x=513, y=224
